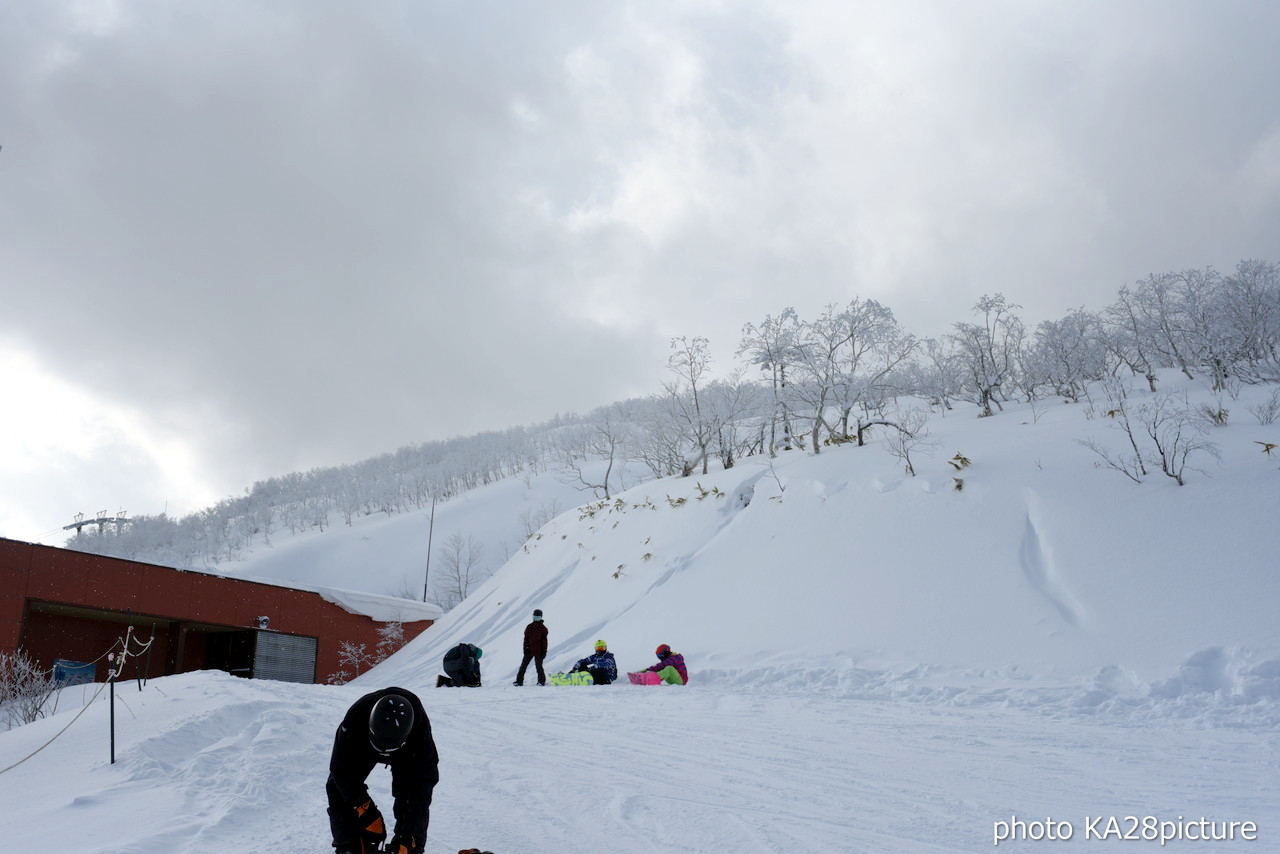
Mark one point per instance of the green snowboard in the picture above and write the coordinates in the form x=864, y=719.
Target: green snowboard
x=579, y=678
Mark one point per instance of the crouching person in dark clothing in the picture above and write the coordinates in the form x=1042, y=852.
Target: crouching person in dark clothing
x=389, y=727
x=461, y=667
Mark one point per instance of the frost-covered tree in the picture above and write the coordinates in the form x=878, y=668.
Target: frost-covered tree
x=25, y=688
x=988, y=351
x=911, y=435
x=1250, y=307
x=1176, y=434
x=1128, y=461
x=1206, y=338
x=461, y=569
x=735, y=409
x=390, y=639
x=1161, y=323
x=820, y=369
x=592, y=455
x=771, y=346
x=813, y=377
x=1128, y=336
x=532, y=519
x=874, y=346
x=690, y=361
x=1159, y=431
x=939, y=376
x=658, y=437
x=1070, y=353
x=352, y=659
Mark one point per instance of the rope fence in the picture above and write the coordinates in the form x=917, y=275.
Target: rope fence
x=117, y=655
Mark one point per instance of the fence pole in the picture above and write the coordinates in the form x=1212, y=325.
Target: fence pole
x=111, y=660
x=146, y=677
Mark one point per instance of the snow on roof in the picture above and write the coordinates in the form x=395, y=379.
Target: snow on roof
x=372, y=605
x=383, y=608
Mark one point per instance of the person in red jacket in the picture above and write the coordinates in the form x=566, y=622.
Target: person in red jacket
x=535, y=648
x=670, y=666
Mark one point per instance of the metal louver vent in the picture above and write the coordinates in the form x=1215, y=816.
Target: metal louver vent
x=288, y=658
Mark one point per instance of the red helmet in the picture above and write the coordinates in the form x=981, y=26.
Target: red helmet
x=662, y=651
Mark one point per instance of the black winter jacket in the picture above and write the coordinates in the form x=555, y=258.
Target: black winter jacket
x=462, y=665
x=535, y=639
x=414, y=772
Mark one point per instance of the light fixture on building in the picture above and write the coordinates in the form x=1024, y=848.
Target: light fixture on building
x=264, y=622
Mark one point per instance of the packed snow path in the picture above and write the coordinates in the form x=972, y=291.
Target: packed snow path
x=209, y=763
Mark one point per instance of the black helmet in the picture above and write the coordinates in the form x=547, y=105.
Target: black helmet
x=390, y=722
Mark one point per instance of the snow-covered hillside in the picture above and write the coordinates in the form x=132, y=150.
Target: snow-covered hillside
x=388, y=555
x=878, y=662
x=1046, y=569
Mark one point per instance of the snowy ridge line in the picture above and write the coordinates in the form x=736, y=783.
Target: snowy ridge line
x=1216, y=687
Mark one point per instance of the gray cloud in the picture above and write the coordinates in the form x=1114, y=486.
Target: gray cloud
x=304, y=233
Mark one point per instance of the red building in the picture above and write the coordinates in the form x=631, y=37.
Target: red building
x=62, y=605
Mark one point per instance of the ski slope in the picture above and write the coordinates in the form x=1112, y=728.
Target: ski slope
x=209, y=764
x=878, y=663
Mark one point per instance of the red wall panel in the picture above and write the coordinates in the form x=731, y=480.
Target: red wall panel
x=34, y=574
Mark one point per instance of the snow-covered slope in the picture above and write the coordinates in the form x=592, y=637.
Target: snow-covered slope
x=878, y=663
x=210, y=764
x=388, y=554
x=1043, y=571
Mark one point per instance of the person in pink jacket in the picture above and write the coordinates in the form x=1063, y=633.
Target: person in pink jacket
x=670, y=666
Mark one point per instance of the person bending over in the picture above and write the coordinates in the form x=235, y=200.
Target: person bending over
x=388, y=727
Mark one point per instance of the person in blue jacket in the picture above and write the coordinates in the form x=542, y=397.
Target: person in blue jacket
x=600, y=665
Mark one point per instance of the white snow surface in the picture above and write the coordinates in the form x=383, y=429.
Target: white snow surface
x=878, y=662
x=379, y=607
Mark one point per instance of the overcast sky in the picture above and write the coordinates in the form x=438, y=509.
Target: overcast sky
x=242, y=239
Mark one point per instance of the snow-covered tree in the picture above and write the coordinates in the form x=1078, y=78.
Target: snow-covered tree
x=1070, y=353
x=911, y=435
x=460, y=569
x=390, y=639
x=593, y=455
x=771, y=347
x=939, y=376
x=1128, y=336
x=874, y=348
x=1207, y=339
x=735, y=411
x=1176, y=434
x=1250, y=307
x=820, y=369
x=988, y=351
x=1161, y=322
x=690, y=361
x=25, y=688
x=813, y=377
x=658, y=437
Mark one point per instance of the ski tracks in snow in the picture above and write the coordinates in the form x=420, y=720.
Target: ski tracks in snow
x=1037, y=565
x=699, y=770
x=702, y=769
x=224, y=772
x=618, y=775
